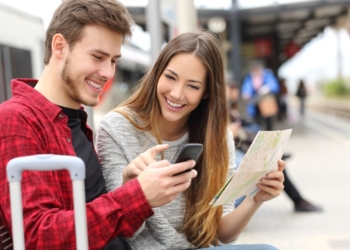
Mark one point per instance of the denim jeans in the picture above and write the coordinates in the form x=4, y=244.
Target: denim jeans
x=239, y=154
x=243, y=247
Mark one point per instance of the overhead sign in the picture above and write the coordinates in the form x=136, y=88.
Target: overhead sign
x=291, y=49
x=263, y=47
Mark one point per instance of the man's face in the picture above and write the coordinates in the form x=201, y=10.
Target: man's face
x=234, y=94
x=90, y=63
x=257, y=71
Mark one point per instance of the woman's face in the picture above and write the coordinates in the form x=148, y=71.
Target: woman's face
x=181, y=87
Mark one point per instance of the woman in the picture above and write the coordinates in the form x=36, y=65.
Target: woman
x=301, y=94
x=182, y=99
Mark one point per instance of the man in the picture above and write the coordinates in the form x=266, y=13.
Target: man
x=260, y=85
x=82, y=46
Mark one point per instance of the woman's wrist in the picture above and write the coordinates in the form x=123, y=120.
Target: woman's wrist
x=253, y=201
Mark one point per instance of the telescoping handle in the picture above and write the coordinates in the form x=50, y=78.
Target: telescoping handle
x=47, y=162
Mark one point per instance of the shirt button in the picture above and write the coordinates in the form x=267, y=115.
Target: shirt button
x=60, y=116
x=68, y=140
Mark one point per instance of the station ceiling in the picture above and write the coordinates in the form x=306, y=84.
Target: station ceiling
x=298, y=22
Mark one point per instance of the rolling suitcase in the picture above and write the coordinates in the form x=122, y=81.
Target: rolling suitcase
x=48, y=162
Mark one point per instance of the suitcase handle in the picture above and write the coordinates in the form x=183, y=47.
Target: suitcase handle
x=47, y=162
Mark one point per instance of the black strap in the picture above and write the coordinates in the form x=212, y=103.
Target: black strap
x=5, y=238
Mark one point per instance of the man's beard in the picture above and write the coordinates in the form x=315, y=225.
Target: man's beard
x=72, y=84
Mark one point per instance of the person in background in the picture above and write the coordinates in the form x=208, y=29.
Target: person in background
x=282, y=100
x=301, y=94
x=300, y=203
x=182, y=100
x=45, y=116
x=244, y=133
x=258, y=84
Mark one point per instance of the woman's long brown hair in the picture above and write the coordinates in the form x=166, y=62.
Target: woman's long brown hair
x=207, y=125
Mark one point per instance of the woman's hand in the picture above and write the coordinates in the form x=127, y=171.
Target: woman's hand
x=271, y=186
x=142, y=161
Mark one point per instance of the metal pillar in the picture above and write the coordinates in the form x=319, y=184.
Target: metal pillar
x=154, y=27
x=235, y=38
x=186, y=16
x=339, y=54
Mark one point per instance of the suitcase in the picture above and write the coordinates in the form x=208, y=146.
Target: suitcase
x=47, y=162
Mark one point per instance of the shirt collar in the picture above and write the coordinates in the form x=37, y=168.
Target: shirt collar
x=24, y=89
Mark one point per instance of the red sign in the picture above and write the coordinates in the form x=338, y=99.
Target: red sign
x=291, y=49
x=263, y=47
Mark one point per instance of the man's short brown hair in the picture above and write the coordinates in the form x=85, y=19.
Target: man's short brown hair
x=72, y=16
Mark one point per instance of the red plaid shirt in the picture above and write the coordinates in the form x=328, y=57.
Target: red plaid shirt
x=29, y=125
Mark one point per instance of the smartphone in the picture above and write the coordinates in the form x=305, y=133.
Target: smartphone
x=190, y=151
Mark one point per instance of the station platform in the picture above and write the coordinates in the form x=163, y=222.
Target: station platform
x=320, y=169
x=339, y=106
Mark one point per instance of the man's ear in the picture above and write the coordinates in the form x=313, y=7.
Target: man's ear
x=59, y=46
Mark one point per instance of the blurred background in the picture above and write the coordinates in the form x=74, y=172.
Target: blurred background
x=296, y=39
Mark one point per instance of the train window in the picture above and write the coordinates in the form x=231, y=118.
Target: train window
x=14, y=63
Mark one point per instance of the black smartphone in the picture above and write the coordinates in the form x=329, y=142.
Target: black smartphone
x=190, y=151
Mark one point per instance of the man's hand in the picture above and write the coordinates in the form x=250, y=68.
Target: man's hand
x=159, y=184
x=142, y=161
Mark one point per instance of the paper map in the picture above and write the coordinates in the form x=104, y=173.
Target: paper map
x=260, y=159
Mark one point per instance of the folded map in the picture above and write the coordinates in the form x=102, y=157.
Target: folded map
x=260, y=159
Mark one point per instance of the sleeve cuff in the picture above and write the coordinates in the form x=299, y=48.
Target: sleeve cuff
x=134, y=203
